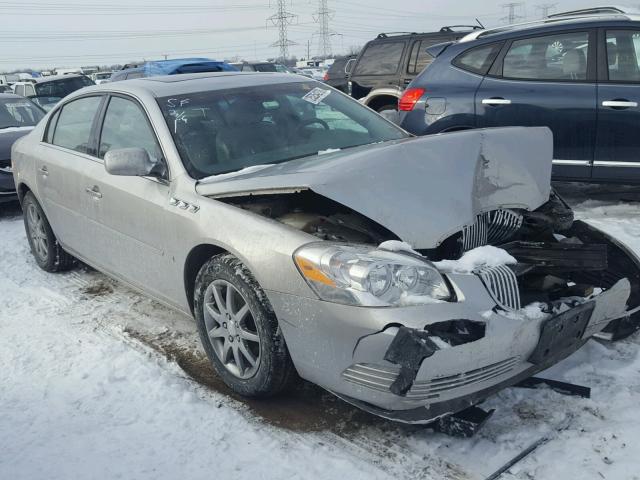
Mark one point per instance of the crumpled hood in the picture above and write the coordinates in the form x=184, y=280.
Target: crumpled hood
x=422, y=189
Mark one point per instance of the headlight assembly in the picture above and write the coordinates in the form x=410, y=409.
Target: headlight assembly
x=366, y=276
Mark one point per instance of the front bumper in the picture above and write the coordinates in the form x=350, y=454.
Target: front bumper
x=342, y=348
x=7, y=186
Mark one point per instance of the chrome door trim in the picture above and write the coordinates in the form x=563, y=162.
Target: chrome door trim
x=576, y=163
x=600, y=163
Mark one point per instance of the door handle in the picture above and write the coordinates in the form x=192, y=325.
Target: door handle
x=496, y=101
x=619, y=104
x=94, y=191
x=44, y=171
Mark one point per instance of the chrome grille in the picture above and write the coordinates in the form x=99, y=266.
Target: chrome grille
x=491, y=227
x=378, y=377
x=502, y=284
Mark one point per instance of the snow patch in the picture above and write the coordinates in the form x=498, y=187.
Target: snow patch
x=397, y=246
x=486, y=256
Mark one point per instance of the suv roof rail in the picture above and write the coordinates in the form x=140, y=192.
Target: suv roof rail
x=388, y=34
x=450, y=28
x=590, y=11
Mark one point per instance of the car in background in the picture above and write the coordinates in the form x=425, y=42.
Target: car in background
x=579, y=75
x=255, y=66
x=18, y=116
x=387, y=64
x=171, y=67
x=337, y=75
x=6, y=89
x=412, y=277
x=47, y=91
x=101, y=77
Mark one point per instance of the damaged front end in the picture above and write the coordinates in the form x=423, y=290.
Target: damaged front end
x=499, y=281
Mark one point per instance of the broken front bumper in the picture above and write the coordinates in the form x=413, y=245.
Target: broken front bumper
x=343, y=348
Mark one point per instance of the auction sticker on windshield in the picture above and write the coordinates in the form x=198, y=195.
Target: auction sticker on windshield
x=316, y=95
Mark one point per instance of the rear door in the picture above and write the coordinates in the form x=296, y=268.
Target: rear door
x=67, y=150
x=618, y=143
x=547, y=80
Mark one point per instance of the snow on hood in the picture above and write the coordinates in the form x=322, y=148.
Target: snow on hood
x=422, y=189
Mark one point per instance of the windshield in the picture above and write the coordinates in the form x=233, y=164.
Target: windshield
x=226, y=130
x=18, y=112
x=62, y=87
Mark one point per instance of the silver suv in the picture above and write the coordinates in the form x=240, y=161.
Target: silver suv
x=309, y=236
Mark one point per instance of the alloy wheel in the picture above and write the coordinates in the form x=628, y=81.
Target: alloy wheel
x=37, y=232
x=231, y=329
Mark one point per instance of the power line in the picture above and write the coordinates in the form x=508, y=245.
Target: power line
x=282, y=19
x=545, y=8
x=512, y=9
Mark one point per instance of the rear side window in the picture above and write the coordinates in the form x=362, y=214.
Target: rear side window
x=419, y=58
x=73, y=129
x=552, y=57
x=380, y=59
x=479, y=59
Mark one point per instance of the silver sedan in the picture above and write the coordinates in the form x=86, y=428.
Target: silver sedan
x=309, y=237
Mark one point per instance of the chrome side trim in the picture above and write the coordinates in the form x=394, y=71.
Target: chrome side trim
x=600, y=163
x=578, y=163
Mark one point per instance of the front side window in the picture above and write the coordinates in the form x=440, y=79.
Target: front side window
x=623, y=55
x=73, y=129
x=380, y=59
x=226, y=130
x=18, y=112
x=478, y=59
x=553, y=57
x=125, y=126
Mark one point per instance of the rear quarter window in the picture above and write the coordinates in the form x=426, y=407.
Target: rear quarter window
x=380, y=59
x=478, y=59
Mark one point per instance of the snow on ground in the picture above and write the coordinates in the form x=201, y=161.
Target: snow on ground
x=92, y=387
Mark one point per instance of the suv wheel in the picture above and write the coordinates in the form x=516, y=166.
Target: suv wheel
x=239, y=330
x=44, y=245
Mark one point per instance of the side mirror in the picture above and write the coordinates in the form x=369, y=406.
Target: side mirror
x=131, y=162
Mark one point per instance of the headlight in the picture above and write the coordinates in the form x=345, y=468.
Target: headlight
x=366, y=276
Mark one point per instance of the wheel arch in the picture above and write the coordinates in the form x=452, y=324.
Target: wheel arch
x=196, y=258
x=380, y=100
x=22, y=190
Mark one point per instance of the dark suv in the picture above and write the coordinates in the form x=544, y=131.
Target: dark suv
x=578, y=75
x=337, y=75
x=387, y=64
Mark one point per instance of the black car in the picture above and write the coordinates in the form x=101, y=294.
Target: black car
x=579, y=75
x=387, y=64
x=47, y=91
x=256, y=66
x=337, y=75
x=18, y=116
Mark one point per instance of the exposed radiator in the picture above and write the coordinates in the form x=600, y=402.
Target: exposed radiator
x=491, y=227
x=502, y=284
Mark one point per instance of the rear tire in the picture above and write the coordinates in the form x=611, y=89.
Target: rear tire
x=241, y=336
x=46, y=250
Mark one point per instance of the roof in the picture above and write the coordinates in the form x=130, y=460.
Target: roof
x=9, y=95
x=162, y=86
x=552, y=21
x=166, y=67
x=52, y=78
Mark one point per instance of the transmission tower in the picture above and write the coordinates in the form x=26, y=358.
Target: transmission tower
x=282, y=19
x=545, y=8
x=512, y=12
x=322, y=17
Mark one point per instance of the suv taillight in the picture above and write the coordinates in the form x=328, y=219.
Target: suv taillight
x=326, y=77
x=409, y=99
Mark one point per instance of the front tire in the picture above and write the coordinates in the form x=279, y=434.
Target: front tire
x=239, y=330
x=45, y=248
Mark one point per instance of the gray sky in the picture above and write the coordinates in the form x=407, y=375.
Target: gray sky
x=58, y=33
